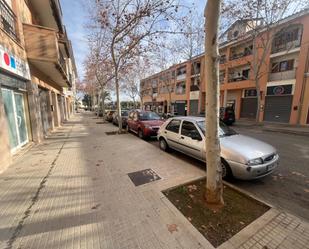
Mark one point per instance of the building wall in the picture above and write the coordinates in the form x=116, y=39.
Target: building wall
x=234, y=90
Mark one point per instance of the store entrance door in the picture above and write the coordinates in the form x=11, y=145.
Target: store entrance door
x=15, y=113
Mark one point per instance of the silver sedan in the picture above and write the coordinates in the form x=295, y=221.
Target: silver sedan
x=242, y=157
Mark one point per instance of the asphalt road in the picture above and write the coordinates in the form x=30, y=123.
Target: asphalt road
x=288, y=186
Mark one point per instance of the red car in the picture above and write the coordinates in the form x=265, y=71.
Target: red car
x=144, y=123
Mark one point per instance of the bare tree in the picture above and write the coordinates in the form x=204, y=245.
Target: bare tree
x=214, y=185
x=131, y=87
x=262, y=20
x=99, y=69
x=131, y=25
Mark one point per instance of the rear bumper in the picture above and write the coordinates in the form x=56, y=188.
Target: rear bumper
x=245, y=172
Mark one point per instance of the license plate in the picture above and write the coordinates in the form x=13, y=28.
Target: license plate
x=270, y=167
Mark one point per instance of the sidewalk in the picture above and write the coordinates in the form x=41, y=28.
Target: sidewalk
x=73, y=191
x=283, y=128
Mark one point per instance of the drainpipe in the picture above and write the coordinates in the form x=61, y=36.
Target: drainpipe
x=306, y=75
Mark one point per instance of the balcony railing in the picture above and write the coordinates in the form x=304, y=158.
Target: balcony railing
x=287, y=75
x=62, y=61
x=222, y=59
x=238, y=78
x=8, y=20
x=240, y=55
x=285, y=46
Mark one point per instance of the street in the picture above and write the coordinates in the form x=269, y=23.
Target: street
x=288, y=186
x=75, y=191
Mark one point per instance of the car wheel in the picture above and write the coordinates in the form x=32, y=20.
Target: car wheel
x=163, y=144
x=141, y=134
x=226, y=170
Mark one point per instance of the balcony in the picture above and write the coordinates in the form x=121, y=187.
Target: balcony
x=236, y=56
x=286, y=75
x=8, y=20
x=46, y=52
x=51, y=16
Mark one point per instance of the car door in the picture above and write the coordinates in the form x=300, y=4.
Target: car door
x=191, y=140
x=171, y=133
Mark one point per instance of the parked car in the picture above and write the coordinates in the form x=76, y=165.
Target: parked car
x=144, y=123
x=242, y=157
x=227, y=115
x=124, y=117
x=109, y=116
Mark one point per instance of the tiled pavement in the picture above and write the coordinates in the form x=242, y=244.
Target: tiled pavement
x=73, y=191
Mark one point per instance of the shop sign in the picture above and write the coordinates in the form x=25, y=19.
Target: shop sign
x=250, y=93
x=279, y=90
x=195, y=95
x=13, y=64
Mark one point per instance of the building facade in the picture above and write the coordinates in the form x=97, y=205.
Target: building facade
x=283, y=77
x=37, y=73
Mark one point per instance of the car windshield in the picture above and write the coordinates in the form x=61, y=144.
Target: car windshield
x=148, y=116
x=223, y=131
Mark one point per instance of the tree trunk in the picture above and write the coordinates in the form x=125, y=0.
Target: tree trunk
x=214, y=185
x=258, y=100
x=118, y=101
x=103, y=103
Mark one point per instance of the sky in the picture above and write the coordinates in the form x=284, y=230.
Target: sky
x=74, y=18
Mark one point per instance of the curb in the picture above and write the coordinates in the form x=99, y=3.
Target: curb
x=278, y=130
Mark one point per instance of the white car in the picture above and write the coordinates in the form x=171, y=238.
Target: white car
x=242, y=157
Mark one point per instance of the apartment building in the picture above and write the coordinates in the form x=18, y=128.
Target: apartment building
x=284, y=76
x=37, y=73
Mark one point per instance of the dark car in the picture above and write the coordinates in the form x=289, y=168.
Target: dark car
x=144, y=123
x=227, y=115
x=124, y=117
x=109, y=116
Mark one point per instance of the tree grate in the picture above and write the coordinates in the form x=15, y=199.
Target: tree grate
x=143, y=176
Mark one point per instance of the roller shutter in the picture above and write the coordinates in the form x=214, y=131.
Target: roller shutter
x=278, y=108
x=248, y=107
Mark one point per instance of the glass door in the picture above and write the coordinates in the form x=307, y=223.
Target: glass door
x=10, y=115
x=21, y=118
x=16, y=119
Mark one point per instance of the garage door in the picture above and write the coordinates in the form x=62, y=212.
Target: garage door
x=248, y=107
x=278, y=108
x=193, y=107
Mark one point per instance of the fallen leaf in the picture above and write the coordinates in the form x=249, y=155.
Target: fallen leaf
x=189, y=206
x=189, y=218
x=192, y=196
x=306, y=190
x=172, y=228
x=242, y=223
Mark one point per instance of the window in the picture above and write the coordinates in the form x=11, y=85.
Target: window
x=181, y=87
x=245, y=74
x=181, y=71
x=188, y=129
x=173, y=126
x=8, y=18
x=282, y=66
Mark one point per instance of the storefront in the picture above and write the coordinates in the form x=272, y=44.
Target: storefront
x=194, y=101
x=248, y=104
x=14, y=74
x=278, y=102
x=180, y=108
